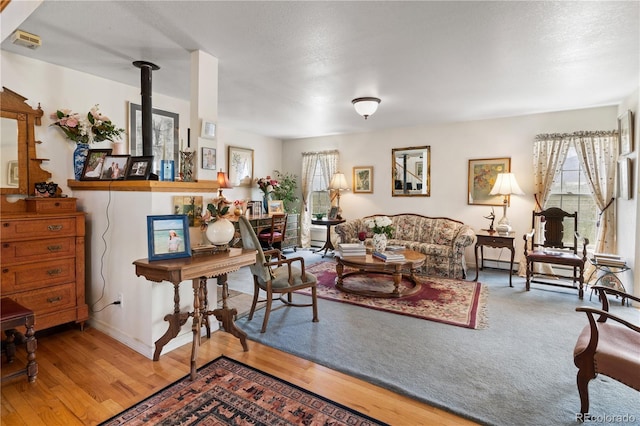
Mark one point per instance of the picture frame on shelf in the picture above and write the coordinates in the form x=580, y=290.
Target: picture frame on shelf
x=275, y=206
x=208, y=158
x=482, y=176
x=363, y=179
x=115, y=167
x=240, y=166
x=333, y=213
x=166, y=135
x=94, y=164
x=139, y=168
x=208, y=130
x=625, y=131
x=168, y=237
x=190, y=205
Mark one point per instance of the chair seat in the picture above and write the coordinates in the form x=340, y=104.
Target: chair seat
x=267, y=235
x=555, y=257
x=281, y=277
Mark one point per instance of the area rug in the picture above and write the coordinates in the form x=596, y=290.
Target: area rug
x=229, y=392
x=449, y=301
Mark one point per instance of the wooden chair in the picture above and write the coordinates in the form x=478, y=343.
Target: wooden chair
x=12, y=315
x=553, y=250
x=610, y=348
x=276, y=275
x=274, y=236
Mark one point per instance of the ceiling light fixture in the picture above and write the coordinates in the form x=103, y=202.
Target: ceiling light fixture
x=366, y=106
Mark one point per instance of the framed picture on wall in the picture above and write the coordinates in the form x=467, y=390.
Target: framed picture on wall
x=363, y=179
x=208, y=158
x=482, y=177
x=624, y=178
x=165, y=132
x=625, y=130
x=240, y=166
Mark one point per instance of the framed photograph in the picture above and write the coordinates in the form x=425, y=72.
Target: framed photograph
x=139, y=168
x=363, y=179
x=168, y=237
x=482, y=177
x=94, y=165
x=624, y=179
x=625, y=130
x=165, y=129
x=208, y=158
x=191, y=206
x=333, y=213
x=275, y=206
x=208, y=130
x=240, y=163
x=114, y=167
x=12, y=173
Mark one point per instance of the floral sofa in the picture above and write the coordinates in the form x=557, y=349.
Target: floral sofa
x=442, y=240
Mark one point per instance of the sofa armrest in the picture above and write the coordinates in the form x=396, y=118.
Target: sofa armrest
x=348, y=230
x=466, y=237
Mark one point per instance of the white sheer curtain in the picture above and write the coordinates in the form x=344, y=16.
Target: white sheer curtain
x=328, y=162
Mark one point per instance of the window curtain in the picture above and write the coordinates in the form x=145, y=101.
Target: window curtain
x=328, y=162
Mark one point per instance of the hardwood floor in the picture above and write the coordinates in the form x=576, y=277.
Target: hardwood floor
x=86, y=377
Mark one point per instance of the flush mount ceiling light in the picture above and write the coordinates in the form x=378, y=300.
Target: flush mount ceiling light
x=366, y=106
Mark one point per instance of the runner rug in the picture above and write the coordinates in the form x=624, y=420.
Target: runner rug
x=229, y=392
x=449, y=301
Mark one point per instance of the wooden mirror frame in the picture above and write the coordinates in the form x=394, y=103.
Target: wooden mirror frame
x=14, y=106
x=405, y=172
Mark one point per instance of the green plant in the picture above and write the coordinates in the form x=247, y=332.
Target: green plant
x=285, y=190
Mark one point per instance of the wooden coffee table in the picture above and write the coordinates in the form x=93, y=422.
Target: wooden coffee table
x=369, y=264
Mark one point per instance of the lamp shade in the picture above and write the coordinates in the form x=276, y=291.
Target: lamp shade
x=338, y=181
x=223, y=181
x=506, y=184
x=366, y=106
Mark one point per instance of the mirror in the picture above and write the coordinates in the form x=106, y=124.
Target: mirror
x=411, y=168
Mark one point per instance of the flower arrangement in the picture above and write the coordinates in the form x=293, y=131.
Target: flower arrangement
x=94, y=128
x=380, y=225
x=267, y=185
x=218, y=208
x=283, y=187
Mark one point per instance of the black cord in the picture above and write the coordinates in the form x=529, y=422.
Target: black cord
x=104, y=252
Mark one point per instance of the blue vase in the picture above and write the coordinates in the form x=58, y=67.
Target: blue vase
x=265, y=204
x=79, y=158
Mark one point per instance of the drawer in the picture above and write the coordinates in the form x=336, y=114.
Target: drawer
x=51, y=205
x=30, y=276
x=38, y=229
x=37, y=250
x=48, y=299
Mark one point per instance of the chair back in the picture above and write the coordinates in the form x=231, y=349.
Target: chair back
x=557, y=224
x=278, y=228
x=250, y=241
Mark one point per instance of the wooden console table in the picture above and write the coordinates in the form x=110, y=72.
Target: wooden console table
x=197, y=269
x=496, y=240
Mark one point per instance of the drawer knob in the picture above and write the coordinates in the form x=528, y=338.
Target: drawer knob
x=54, y=228
x=6, y=224
x=5, y=270
x=53, y=272
x=54, y=299
x=54, y=248
x=6, y=245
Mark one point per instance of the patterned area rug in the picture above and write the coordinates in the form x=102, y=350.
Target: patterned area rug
x=228, y=392
x=455, y=302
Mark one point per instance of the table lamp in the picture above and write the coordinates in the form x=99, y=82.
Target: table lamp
x=338, y=183
x=223, y=182
x=506, y=185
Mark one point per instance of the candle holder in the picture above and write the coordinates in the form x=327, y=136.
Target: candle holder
x=187, y=159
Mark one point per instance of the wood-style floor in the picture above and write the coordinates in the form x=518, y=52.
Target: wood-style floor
x=85, y=377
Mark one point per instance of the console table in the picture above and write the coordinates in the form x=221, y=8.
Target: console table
x=197, y=269
x=495, y=240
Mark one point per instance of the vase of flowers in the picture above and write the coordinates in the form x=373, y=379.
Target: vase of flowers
x=382, y=229
x=267, y=186
x=219, y=230
x=283, y=187
x=79, y=157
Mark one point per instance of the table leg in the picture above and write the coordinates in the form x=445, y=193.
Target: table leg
x=513, y=254
x=397, y=278
x=176, y=321
x=477, y=265
x=198, y=283
x=226, y=315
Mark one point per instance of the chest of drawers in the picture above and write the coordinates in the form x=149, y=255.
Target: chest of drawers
x=42, y=262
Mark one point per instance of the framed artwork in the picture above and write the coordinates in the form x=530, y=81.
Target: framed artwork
x=363, y=179
x=482, y=177
x=208, y=158
x=625, y=130
x=94, y=164
x=333, y=213
x=12, y=173
x=240, y=163
x=165, y=129
x=114, y=167
x=208, y=130
x=275, y=206
x=191, y=206
x=139, y=168
x=624, y=178
x=168, y=237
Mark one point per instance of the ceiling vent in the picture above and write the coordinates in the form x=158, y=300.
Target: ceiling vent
x=23, y=38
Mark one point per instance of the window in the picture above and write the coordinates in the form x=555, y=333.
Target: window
x=320, y=202
x=570, y=192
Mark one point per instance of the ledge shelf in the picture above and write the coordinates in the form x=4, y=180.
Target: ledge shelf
x=143, y=185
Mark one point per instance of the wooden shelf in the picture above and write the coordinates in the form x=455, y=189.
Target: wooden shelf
x=143, y=185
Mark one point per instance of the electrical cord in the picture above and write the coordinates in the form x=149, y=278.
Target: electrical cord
x=104, y=252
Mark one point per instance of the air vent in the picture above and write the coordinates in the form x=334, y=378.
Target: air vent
x=26, y=39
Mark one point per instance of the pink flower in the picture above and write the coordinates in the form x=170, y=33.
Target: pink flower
x=70, y=122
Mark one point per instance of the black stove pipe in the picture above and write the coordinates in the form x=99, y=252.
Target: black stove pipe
x=147, y=120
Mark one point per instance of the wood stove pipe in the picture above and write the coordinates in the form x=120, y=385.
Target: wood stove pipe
x=147, y=120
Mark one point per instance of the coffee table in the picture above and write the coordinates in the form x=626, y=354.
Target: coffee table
x=369, y=264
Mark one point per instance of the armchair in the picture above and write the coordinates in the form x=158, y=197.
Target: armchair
x=610, y=348
x=277, y=275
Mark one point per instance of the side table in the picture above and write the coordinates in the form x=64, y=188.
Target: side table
x=495, y=240
x=609, y=275
x=328, y=245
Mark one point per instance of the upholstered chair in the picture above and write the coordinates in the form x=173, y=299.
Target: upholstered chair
x=275, y=274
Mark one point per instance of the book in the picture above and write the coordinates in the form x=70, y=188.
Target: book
x=395, y=248
x=389, y=256
x=347, y=249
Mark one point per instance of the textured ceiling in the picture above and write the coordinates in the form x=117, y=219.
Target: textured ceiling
x=290, y=69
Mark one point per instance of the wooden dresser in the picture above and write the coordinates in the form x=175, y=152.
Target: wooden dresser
x=42, y=260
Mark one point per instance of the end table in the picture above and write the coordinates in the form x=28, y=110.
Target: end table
x=495, y=240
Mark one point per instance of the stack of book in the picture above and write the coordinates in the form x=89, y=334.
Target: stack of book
x=606, y=259
x=389, y=256
x=351, y=249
